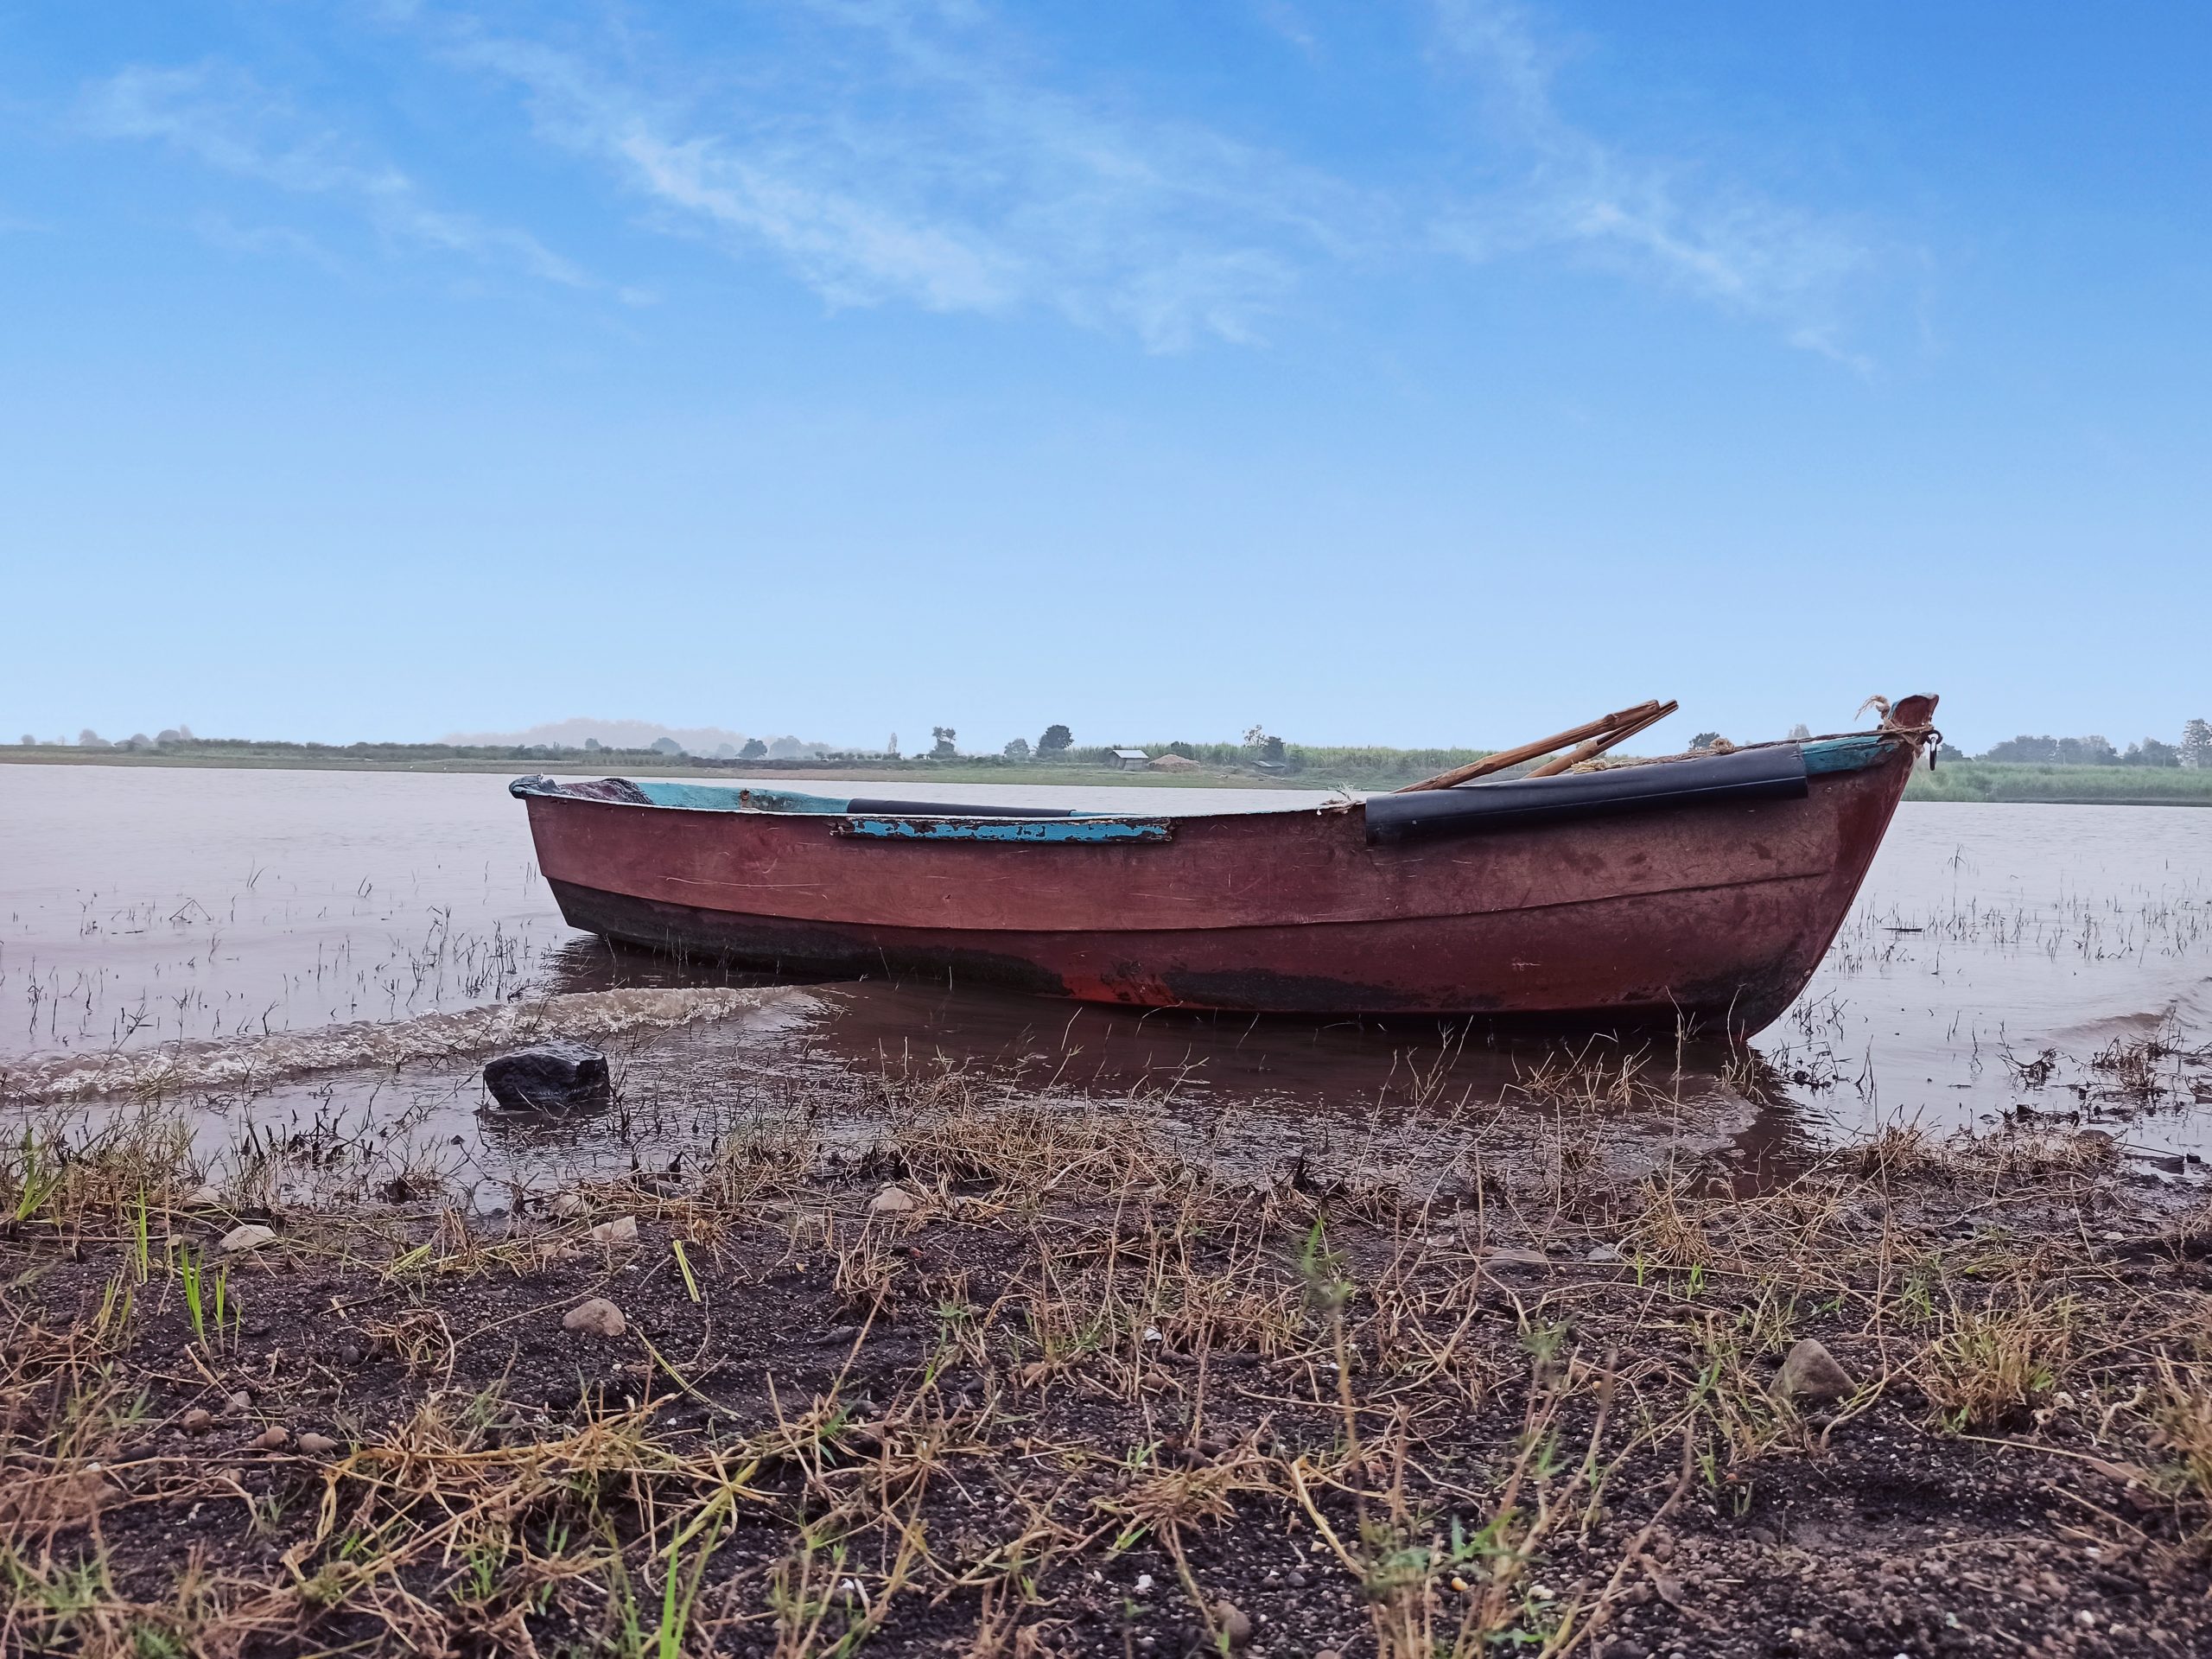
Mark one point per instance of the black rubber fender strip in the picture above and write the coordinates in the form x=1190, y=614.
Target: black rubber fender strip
x=1744, y=775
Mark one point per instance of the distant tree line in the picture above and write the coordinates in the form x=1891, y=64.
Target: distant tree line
x=181, y=741
x=1261, y=752
x=168, y=737
x=2195, y=750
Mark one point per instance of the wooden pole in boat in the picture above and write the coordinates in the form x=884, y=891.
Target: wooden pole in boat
x=1597, y=746
x=1644, y=712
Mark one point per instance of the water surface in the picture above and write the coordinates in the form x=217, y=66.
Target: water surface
x=151, y=914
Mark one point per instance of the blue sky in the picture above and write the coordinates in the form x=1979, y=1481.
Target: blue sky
x=1434, y=372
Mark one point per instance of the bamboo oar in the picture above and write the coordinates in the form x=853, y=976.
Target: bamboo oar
x=1504, y=758
x=1597, y=746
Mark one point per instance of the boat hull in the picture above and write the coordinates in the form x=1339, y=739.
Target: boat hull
x=1712, y=915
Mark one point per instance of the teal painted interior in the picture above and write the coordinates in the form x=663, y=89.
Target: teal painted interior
x=1845, y=754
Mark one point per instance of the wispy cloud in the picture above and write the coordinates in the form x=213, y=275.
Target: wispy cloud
x=219, y=231
x=933, y=154
x=1714, y=237
x=1284, y=20
x=222, y=117
x=928, y=168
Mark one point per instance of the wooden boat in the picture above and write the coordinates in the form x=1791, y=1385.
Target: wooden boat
x=1700, y=890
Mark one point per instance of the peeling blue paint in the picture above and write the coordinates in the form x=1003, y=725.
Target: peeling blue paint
x=1061, y=831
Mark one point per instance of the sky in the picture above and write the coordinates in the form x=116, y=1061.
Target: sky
x=1412, y=372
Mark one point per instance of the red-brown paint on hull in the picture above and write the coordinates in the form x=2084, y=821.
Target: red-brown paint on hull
x=1713, y=913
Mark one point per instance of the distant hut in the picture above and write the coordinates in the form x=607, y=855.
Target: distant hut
x=1131, y=759
x=1173, y=762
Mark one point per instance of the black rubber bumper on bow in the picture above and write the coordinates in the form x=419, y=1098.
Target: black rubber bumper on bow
x=1766, y=774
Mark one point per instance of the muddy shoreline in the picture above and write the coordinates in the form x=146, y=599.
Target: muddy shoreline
x=1073, y=1390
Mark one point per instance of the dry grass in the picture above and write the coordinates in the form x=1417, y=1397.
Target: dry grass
x=1103, y=1352
x=1992, y=1363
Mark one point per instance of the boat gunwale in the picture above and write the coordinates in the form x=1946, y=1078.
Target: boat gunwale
x=1826, y=756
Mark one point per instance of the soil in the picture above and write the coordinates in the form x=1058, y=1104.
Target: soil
x=1101, y=1412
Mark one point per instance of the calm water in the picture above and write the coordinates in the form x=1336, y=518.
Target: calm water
x=143, y=907
x=209, y=913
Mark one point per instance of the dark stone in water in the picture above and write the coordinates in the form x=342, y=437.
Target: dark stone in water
x=558, y=1077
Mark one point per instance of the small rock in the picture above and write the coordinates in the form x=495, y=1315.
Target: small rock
x=558, y=1077
x=894, y=1201
x=273, y=1439
x=623, y=1229
x=202, y=1197
x=1294, y=1580
x=198, y=1421
x=1811, y=1375
x=1603, y=1253
x=248, y=1236
x=1513, y=1256
x=597, y=1317
x=569, y=1206
x=239, y=1401
x=1326, y=1653
x=317, y=1445
x=1235, y=1623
